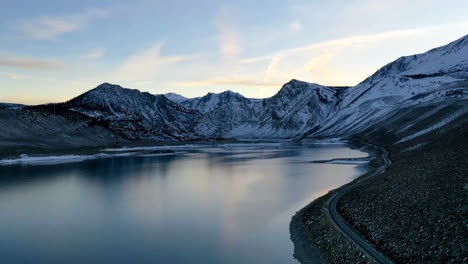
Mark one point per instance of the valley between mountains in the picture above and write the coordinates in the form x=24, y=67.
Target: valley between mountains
x=415, y=107
x=298, y=110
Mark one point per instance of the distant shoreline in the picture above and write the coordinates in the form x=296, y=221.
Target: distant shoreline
x=15, y=150
x=54, y=156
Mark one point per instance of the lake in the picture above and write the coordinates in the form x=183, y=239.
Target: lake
x=217, y=203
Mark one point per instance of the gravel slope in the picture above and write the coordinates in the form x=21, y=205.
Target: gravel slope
x=416, y=211
x=41, y=131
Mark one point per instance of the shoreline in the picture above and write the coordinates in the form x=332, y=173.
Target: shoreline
x=136, y=148
x=317, y=240
x=28, y=156
x=403, y=212
x=306, y=248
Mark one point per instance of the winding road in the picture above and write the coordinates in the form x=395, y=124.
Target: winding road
x=346, y=228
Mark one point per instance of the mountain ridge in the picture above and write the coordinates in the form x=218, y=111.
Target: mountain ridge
x=300, y=107
x=298, y=110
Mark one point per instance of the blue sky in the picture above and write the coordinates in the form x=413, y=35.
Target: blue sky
x=51, y=51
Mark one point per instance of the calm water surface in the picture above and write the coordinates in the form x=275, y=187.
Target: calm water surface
x=194, y=204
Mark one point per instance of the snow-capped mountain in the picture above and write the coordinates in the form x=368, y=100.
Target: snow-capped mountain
x=296, y=107
x=175, y=97
x=211, y=101
x=224, y=112
x=435, y=79
x=136, y=115
x=436, y=75
x=8, y=105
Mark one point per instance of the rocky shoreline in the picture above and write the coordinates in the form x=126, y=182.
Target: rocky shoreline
x=415, y=212
x=316, y=240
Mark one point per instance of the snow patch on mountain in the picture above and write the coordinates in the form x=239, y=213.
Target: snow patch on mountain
x=175, y=97
x=298, y=110
x=438, y=125
x=11, y=106
x=411, y=80
x=136, y=115
x=212, y=101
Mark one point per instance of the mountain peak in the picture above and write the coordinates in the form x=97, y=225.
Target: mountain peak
x=299, y=107
x=297, y=84
x=294, y=83
x=175, y=97
x=293, y=87
x=453, y=46
x=441, y=60
x=108, y=90
x=226, y=95
x=230, y=93
x=108, y=86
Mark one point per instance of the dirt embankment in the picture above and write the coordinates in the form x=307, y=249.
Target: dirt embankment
x=43, y=131
x=415, y=212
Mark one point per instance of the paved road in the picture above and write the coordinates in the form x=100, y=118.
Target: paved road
x=346, y=228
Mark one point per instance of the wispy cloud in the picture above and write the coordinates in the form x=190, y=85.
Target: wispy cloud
x=360, y=39
x=340, y=43
x=32, y=99
x=256, y=59
x=227, y=81
x=327, y=62
x=283, y=64
x=271, y=69
x=295, y=26
x=95, y=54
x=228, y=36
x=49, y=27
x=14, y=76
x=145, y=64
x=272, y=73
x=30, y=63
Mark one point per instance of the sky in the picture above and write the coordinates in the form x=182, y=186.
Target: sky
x=51, y=51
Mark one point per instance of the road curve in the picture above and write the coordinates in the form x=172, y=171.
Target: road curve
x=346, y=228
